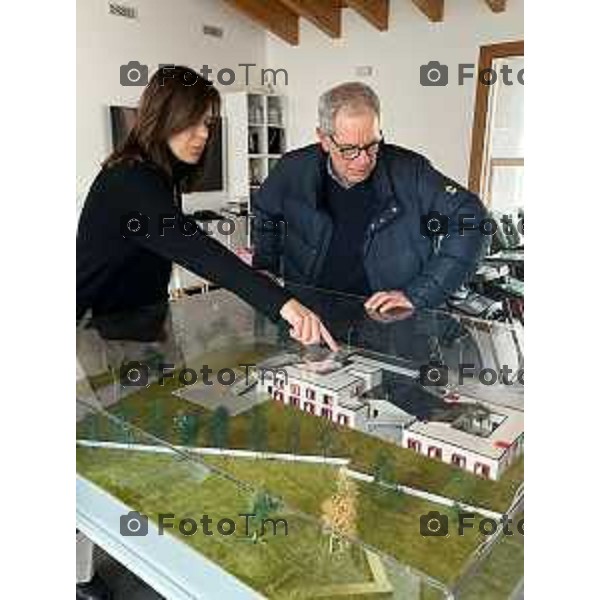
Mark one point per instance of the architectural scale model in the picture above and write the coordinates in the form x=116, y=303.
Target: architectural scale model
x=384, y=400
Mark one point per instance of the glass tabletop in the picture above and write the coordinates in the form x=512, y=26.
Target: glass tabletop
x=203, y=408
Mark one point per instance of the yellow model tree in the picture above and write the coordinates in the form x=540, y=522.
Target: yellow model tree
x=339, y=513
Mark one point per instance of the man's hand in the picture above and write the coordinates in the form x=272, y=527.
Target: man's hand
x=390, y=305
x=306, y=326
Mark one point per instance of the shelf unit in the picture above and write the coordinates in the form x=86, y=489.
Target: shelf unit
x=256, y=140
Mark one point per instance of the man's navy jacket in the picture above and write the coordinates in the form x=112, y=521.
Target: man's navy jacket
x=292, y=228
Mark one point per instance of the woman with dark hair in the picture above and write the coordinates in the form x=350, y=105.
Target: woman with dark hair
x=119, y=271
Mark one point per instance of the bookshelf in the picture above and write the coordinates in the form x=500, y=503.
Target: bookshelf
x=256, y=140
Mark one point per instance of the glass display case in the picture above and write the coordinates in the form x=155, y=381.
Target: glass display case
x=217, y=457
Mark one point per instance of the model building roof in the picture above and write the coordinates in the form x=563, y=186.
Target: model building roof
x=335, y=380
x=493, y=446
x=389, y=413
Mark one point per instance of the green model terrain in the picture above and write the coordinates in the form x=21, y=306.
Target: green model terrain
x=155, y=408
x=387, y=520
x=500, y=572
x=155, y=483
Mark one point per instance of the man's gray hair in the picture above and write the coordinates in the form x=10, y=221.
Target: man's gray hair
x=353, y=96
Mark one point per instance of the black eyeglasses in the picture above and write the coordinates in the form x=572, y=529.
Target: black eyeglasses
x=353, y=152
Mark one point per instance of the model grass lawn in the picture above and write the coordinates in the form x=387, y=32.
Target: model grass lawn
x=500, y=572
x=279, y=566
x=387, y=520
x=408, y=468
x=155, y=483
x=154, y=409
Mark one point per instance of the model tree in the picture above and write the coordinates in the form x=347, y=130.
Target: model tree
x=294, y=434
x=153, y=359
x=262, y=504
x=157, y=418
x=383, y=468
x=219, y=428
x=325, y=437
x=259, y=429
x=188, y=426
x=455, y=512
x=119, y=428
x=339, y=513
x=92, y=426
x=129, y=434
x=191, y=430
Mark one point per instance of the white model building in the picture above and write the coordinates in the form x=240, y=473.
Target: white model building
x=484, y=439
x=485, y=446
x=325, y=389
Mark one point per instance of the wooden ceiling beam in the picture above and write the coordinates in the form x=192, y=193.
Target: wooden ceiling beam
x=377, y=12
x=273, y=15
x=432, y=9
x=325, y=14
x=496, y=6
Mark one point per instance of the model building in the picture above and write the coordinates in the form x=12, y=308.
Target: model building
x=384, y=400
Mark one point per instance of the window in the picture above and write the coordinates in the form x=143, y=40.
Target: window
x=279, y=383
x=414, y=445
x=482, y=470
x=343, y=419
x=459, y=461
x=375, y=413
x=295, y=389
x=310, y=393
x=294, y=401
x=434, y=452
x=503, y=167
x=497, y=145
x=327, y=399
x=270, y=389
x=325, y=412
x=309, y=407
x=278, y=396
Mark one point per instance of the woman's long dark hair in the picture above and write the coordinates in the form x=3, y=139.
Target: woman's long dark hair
x=174, y=99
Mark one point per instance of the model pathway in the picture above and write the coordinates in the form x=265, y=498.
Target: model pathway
x=436, y=498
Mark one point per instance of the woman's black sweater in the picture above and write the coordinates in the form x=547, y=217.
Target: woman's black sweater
x=119, y=271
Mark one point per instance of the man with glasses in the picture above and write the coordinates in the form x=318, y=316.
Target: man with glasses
x=356, y=215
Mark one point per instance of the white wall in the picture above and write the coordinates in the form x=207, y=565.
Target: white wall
x=166, y=31
x=448, y=450
x=434, y=120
